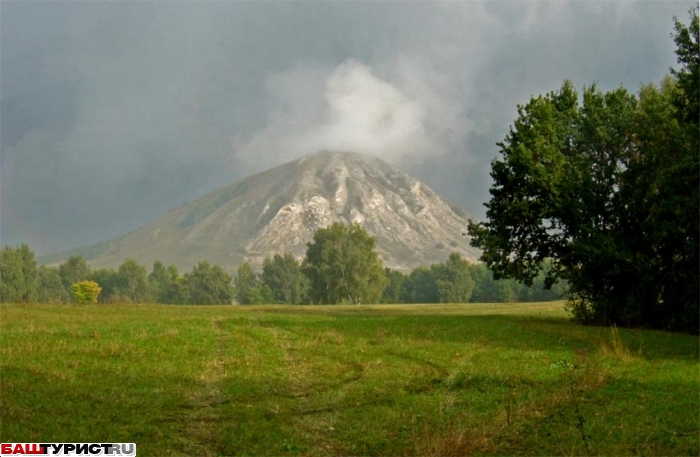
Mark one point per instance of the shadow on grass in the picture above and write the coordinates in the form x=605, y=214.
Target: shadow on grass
x=515, y=332
x=103, y=406
x=622, y=417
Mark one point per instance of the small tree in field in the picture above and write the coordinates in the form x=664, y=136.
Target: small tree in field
x=85, y=292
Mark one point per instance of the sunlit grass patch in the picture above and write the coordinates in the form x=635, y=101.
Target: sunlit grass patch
x=346, y=380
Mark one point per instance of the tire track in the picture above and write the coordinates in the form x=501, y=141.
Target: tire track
x=200, y=431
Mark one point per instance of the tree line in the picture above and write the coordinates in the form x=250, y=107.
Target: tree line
x=23, y=281
x=341, y=266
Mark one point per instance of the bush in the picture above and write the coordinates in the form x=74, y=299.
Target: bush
x=85, y=292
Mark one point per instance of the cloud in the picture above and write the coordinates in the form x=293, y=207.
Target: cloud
x=352, y=109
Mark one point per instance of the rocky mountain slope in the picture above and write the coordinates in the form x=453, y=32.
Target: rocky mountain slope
x=279, y=210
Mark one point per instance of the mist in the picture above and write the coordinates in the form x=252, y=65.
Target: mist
x=351, y=109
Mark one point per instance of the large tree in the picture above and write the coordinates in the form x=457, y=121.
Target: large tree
x=342, y=265
x=608, y=190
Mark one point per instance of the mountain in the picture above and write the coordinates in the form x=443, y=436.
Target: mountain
x=280, y=209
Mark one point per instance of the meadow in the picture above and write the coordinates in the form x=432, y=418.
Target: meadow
x=426, y=380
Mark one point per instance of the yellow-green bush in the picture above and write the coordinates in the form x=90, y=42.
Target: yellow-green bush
x=85, y=291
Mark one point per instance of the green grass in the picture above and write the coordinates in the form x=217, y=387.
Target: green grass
x=345, y=380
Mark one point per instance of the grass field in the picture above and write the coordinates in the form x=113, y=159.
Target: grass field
x=345, y=380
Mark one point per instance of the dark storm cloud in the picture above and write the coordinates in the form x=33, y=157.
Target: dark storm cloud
x=115, y=112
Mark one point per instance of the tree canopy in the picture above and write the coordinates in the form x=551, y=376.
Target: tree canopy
x=18, y=272
x=283, y=276
x=607, y=190
x=207, y=284
x=342, y=264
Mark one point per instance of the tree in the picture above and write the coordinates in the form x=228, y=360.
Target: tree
x=454, y=281
x=421, y=286
x=608, y=191
x=109, y=281
x=687, y=100
x=283, y=276
x=246, y=280
x=166, y=285
x=249, y=289
x=18, y=274
x=208, y=284
x=395, y=284
x=449, y=282
x=132, y=282
x=488, y=290
x=85, y=292
x=341, y=264
x=555, y=192
x=74, y=270
x=679, y=192
x=158, y=280
x=49, y=288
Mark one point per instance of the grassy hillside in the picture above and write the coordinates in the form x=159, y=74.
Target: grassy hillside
x=363, y=380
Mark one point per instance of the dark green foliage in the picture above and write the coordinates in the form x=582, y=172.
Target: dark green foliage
x=248, y=287
x=608, y=190
x=109, y=281
x=421, y=286
x=129, y=284
x=342, y=265
x=177, y=291
x=454, y=283
x=395, y=285
x=687, y=101
x=166, y=284
x=285, y=280
x=18, y=273
x=208, y=285
x=449, y=282
x=282, y=281
x=132, y=282
x=49, y=288
x=74, y=270
x=488, y=290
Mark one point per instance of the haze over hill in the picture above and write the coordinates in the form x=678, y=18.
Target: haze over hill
x=279, y=210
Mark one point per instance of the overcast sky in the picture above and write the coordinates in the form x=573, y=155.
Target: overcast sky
x=112, y=113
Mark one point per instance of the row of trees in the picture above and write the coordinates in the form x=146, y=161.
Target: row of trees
x=607, y=192
x=341, y=266
x=283, y=281
x=22, y=280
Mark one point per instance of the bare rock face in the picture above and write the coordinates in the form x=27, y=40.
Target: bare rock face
x=279, y=210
